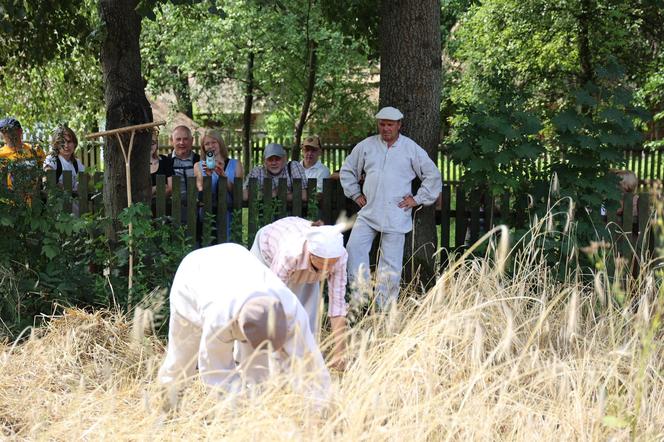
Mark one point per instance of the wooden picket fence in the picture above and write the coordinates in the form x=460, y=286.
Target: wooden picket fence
x=646, y=163
x=462, y=218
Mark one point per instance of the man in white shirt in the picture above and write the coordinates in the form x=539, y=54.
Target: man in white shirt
x=391, y=161
x=223, y=297
x=313, y=168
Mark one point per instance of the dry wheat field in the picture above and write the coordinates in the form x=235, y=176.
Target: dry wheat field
x=481, y=356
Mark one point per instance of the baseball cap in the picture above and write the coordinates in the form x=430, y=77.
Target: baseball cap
x=261, y=319
x=311, y=141
x=274, y=149
x=389, y=113
x=9, y=123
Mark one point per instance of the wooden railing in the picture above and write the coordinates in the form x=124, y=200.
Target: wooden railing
x=461, y=218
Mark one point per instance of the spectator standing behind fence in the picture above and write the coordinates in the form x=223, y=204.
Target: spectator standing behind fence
x=212, y=142
x=160, y=165
x=391, y=162
x=17, y=154
x=183, y=157
x=628, y=184
x=302, y=255
x=313, y=168
x=275, y=166
x=250, y=309
x=62, y=156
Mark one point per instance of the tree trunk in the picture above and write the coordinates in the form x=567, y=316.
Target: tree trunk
x=246, y=118
x=584, y=18
x=182, y=92
x=410, y=78
x=308, y=96
x=126, y=105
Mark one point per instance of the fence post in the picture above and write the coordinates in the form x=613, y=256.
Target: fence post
x=326, y=203
x=160, y=201
x=253, y=212
x=297, y=197
x=205, y=223
x=67, y=184
x=445, y=226
x=83, y=190
x=237, y=226
x=460, y=218
x=282, y=197
x=222, y=211
x=192, y=203
x=176, y=201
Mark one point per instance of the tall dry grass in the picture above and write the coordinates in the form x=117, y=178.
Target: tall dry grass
x=481, y=356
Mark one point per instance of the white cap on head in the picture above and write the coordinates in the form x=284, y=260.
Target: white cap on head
x=325, y=242
x=389, y=113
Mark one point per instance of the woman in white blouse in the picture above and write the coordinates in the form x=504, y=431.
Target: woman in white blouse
x=62, y=157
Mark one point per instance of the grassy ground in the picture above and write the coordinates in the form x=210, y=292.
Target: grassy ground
x=480, y=356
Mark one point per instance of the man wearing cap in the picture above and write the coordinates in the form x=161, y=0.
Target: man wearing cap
x=222, y=297
x=391, y=161
x=313, y=168
x=302, y=255
x=275, y=166
x=17, y=153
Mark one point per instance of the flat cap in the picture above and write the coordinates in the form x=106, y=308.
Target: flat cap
x=9, y=123
x=389, y=113
x=261, y=319
x=274, y=149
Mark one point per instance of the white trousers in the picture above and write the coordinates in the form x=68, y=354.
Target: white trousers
x=186, y=350
x=307, y=293
x=390, y=260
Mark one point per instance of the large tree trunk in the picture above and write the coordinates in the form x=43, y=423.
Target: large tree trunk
x=246, y=118
x=410, y=77
x=126, y=105
x=182, y=92
x=308, y=96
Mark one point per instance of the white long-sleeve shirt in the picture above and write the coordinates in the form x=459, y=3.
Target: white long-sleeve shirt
x=389, y=176
x=209, y=288
x=318, y=171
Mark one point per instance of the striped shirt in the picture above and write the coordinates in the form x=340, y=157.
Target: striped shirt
x=282, y=244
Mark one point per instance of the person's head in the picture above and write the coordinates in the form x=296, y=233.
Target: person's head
x=311, y=150
x=182, y=141
x=262, y=319
x=213, y=141
x=64, y=142
x=325, y=245
x=628, y=181
x=274, y=158
x=389, y=123
x=12, y=132
x=154, y=144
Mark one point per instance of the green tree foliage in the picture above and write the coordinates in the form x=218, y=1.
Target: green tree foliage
x=213, y=49
x=50, y=69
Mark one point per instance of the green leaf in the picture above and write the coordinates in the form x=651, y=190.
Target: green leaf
x=567, y=121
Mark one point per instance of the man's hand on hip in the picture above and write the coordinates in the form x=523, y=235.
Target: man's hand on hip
x=408, y=202
x=361, y=201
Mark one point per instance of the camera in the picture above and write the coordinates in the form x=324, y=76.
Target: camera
x=210, y=161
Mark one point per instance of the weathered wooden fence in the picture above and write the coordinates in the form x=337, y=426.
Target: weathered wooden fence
x=462, y=218
x=646, y=163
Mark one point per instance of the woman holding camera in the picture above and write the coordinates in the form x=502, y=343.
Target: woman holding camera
x=216, y=163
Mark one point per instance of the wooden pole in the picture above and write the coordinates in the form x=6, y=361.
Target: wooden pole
x=127, y=158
